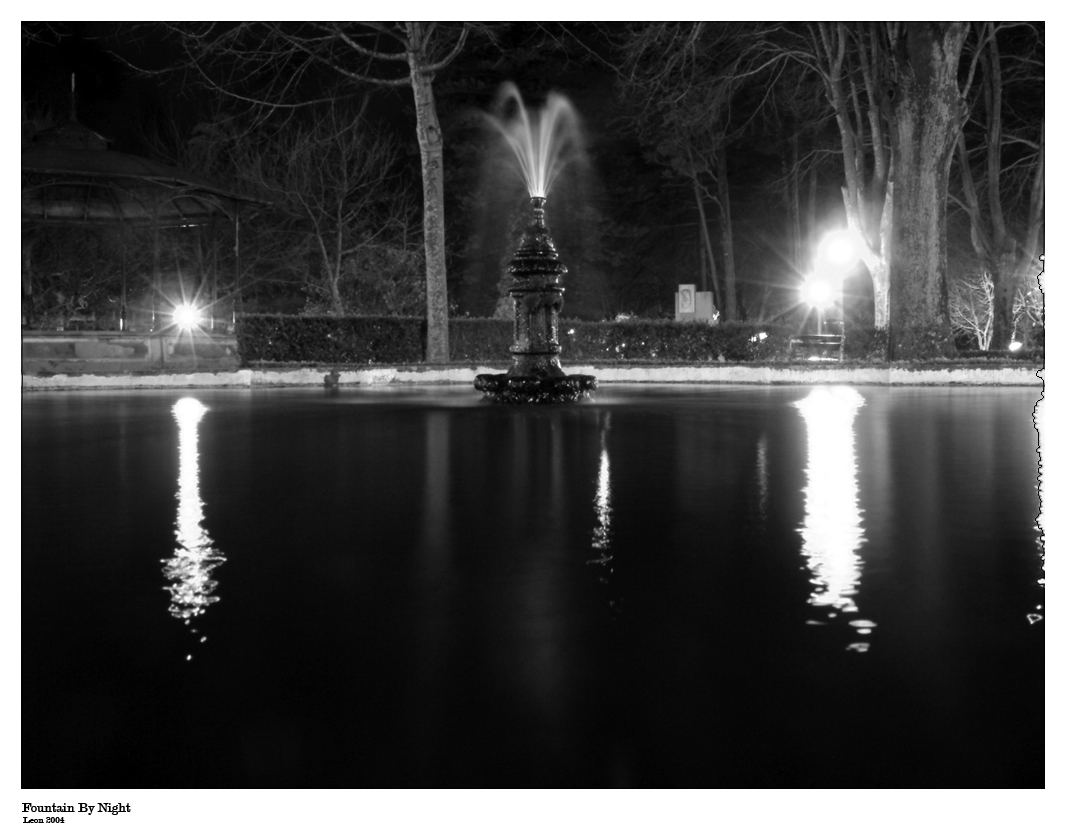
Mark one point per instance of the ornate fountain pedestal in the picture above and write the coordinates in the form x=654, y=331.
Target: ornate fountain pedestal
x=535, y=374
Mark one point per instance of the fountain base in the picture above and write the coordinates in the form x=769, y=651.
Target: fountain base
x=517, y=389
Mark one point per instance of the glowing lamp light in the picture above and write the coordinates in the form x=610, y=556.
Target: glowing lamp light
x=186, y=316
x=1015, y=346
x=837, y=253
x=818, y=293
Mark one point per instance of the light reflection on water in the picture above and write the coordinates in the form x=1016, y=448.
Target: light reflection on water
x=762, y=478
x=603, y=534
x=832, y=531
x=189, y=570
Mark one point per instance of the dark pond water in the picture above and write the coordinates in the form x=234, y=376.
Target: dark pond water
x=714, y=587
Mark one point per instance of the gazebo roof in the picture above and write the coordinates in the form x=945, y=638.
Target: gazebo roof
x=70, y=176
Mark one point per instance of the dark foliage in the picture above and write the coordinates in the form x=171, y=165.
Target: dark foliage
x=327, y=339
x=865, y=343
x=1025, y=356
x=659, y=340
x=358, y=339
x=395, y=340
x=924, y=341
x=480, y=339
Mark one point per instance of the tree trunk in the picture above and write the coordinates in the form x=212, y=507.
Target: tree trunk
x=705, y=239
x=792, y=197
x=729, y=272
x=337, y=305
x=433, y=194
x=877, y=263
x=879, y=267
x=927, y=123
x=1005, y=275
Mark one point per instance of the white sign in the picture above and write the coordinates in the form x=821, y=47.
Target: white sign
x=687, y=298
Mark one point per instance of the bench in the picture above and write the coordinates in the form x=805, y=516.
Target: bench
x=817, y=346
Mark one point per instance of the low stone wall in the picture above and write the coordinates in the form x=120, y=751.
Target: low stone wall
x=125, y=353
x=1020, y=376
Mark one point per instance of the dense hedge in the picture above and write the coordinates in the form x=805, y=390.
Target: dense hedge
x=479, y=339
x=322, y=339
x=664, y=340
x=924, y=341
x=326, y=339
x=863, y=342
x=1037, y=355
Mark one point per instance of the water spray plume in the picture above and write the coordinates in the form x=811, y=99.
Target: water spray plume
x=543, y=141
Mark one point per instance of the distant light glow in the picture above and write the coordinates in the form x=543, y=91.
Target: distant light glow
x=755, y=339
x=186, y=316
x=1015, y=346
x=832, y=532
x=189, y=570
x=837, y=253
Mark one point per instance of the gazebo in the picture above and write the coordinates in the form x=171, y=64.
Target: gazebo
x=71, y=176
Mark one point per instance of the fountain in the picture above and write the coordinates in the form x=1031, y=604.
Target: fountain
x=535, y=375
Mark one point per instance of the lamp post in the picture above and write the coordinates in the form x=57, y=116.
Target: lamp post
x=819, y=294
x=837, y=253
x=835, y=257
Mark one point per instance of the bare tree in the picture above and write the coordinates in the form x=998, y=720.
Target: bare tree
x=335, y=198
x=1002, y=175
x=972, y=308
x=288, y=65
x=798, y=119
x=684, y=80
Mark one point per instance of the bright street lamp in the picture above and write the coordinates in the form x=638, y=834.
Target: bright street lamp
x=818, y=293
x=837, y=253
x=186, y=316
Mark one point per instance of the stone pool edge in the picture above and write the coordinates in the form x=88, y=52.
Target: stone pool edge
x=458, y=375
